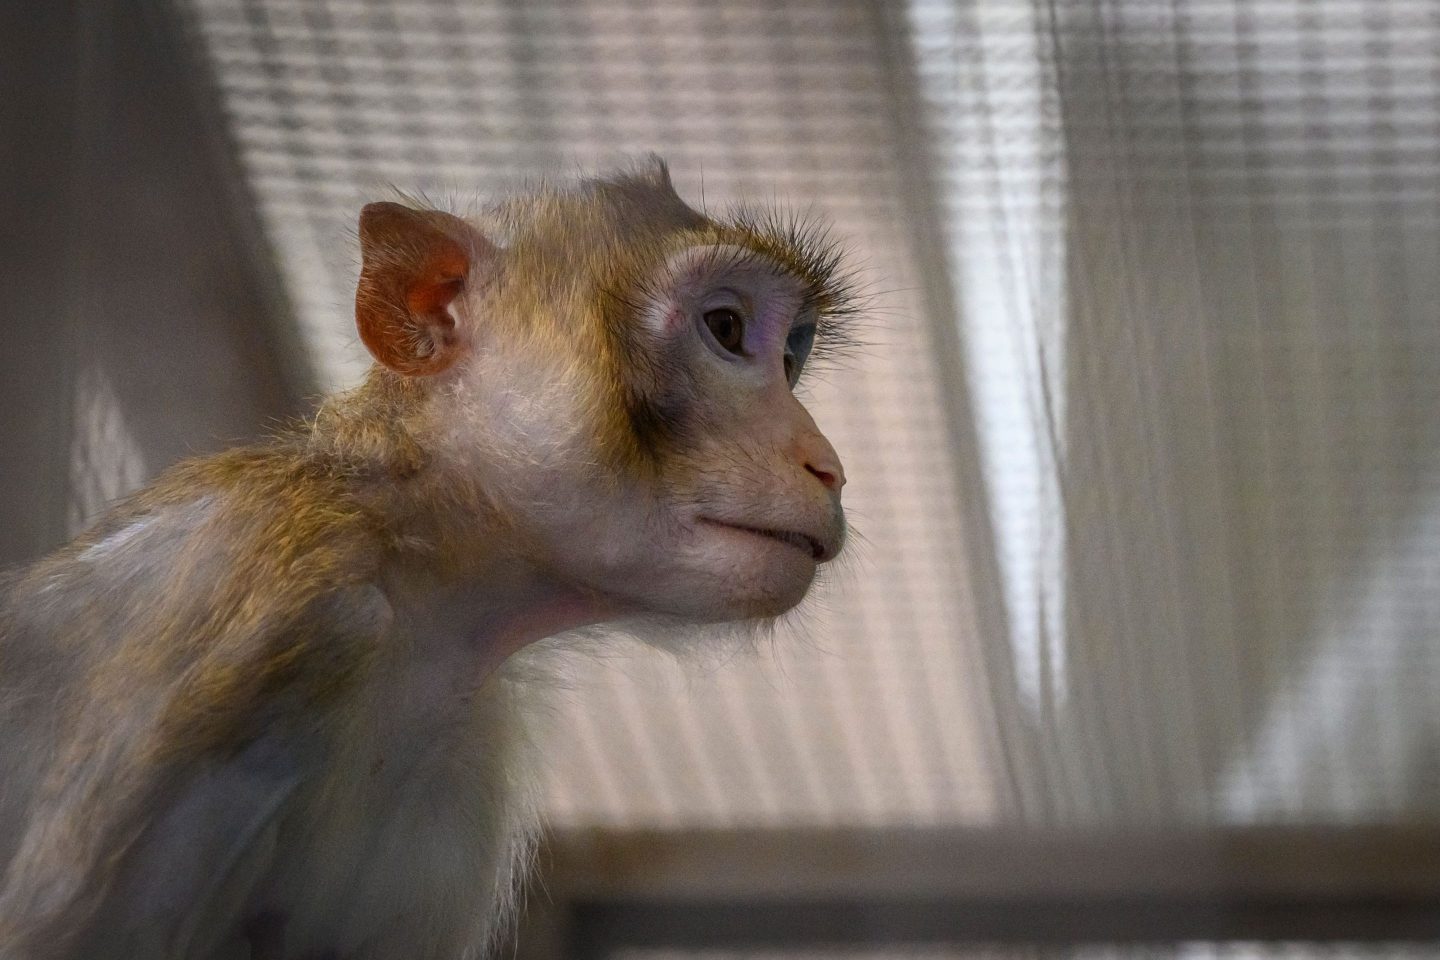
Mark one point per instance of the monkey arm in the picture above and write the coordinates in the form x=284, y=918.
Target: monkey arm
x=194, y=869
x=180, y=886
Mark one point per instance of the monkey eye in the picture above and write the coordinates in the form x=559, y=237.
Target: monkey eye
x=728, y=329
x=797, y=350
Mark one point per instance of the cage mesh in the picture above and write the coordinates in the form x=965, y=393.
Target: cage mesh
x=1193, y=246
x=870, y=717
x=1189, y=250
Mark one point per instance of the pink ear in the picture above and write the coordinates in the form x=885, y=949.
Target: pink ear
x=415, y=262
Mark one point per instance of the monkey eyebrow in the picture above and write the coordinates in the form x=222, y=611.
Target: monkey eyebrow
x=800, y=249
x=711, y=259
x=805, y=247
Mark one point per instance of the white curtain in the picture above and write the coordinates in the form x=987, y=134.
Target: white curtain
x=1195, y=249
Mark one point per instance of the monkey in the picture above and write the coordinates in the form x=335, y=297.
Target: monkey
x=269, y=707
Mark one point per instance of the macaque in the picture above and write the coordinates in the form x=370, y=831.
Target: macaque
x=268, y=708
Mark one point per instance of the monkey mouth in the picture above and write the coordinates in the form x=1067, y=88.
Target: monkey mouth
x=808, y=545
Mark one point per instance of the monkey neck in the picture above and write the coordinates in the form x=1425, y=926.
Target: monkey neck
x=457, y=575
x=466, y=626
x=373, y=425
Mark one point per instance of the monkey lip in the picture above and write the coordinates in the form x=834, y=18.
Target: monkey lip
x=802, y=542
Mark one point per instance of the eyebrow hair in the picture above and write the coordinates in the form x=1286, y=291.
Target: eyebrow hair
x=805, y=247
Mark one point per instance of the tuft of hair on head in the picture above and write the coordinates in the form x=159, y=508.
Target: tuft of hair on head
x=649, y=168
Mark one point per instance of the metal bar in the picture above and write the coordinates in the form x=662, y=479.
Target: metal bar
x=797, y=888
x=599, y=930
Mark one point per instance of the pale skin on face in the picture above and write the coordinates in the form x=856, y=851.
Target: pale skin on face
x=674, y=546
x=716, y=543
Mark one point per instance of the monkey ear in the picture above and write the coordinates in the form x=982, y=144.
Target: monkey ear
x=414, y=264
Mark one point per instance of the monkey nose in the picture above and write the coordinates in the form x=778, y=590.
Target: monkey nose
x=824, y=464
x=833, y=479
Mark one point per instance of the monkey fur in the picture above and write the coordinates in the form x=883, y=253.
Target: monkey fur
x=275, y=706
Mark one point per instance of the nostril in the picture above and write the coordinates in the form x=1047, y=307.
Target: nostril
x=832, y=481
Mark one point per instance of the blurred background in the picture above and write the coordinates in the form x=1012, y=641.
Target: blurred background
x=1137, y=653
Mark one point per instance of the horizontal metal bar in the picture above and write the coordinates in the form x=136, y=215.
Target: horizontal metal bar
x=1247, y=863
x=796, y=888
x=598, y=929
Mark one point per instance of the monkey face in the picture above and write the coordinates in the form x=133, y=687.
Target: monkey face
x=749, y=486
x=715, y=496
x=616, y=375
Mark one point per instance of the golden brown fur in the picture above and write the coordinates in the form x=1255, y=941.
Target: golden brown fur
x=253, y=676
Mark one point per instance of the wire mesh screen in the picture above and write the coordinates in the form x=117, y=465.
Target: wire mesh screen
x=1189, y=252
x=1194, y=246
x=105, y=461
x=872, y=719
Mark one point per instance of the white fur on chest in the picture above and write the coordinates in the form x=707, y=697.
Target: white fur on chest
x=414, y=836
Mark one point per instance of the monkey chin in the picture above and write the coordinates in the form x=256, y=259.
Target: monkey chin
x=687, y=623
x=753, y=575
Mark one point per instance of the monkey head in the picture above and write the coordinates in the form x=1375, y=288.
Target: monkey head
x=613, y=373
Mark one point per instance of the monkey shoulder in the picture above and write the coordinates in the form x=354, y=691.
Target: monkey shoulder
x=232, y=594
x=187, y=667
x=243, y=550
